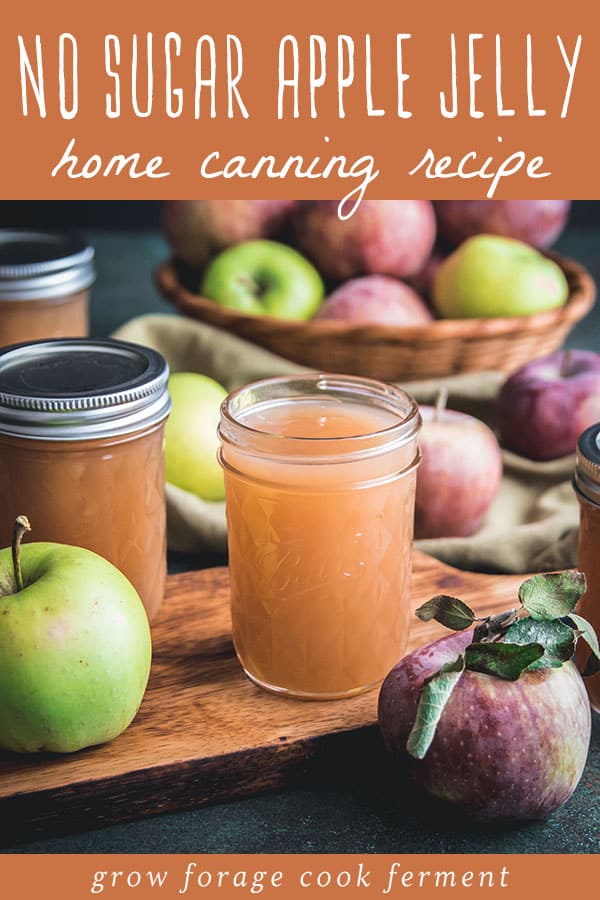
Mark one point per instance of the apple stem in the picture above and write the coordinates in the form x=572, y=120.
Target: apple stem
x=21, y=526
x=440, y=403
x=565, y=367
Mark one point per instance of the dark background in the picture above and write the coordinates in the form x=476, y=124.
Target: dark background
x=80, y=213
x=146, y=213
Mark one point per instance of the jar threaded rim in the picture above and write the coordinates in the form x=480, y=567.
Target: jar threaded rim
x=76, y=389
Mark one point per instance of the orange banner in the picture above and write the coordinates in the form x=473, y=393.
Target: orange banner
x=331, y=100
x=427, y=877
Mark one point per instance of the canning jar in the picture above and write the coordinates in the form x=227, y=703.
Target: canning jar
x=320, y=482
x=81, y=452
x=44, y=286
x=587, y=487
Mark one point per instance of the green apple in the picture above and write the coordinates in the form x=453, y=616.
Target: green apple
x=75, y=648
x=191, y=441
x=497, y=276
x=264, y=278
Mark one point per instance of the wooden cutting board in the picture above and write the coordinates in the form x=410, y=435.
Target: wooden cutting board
x=204, y=733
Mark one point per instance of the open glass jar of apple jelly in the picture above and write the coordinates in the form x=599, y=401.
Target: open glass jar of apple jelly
x=44, y=286
x=320, y=474
x=587, y=487
x=81, y=451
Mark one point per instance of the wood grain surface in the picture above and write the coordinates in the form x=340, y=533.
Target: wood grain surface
x=204, y=733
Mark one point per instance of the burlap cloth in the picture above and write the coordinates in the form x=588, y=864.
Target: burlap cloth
x=531, y=526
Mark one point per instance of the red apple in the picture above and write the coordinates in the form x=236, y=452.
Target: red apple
x=424, y=278
x=198, y=229
x=502, y=749
x=543, y=407
x=459, y=475
x=383, y=237
x=537, y=222
x=376, y=299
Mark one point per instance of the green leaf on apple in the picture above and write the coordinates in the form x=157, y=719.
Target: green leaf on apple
x=557, y=639
x=502, y=660
x=448, y=611
x=586, y=631
x=432, y=699
x=552, y=596
x=503, y=645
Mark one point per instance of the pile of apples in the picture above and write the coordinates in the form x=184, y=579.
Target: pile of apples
x=394, y=262
x=462, y=258
x=540, y=412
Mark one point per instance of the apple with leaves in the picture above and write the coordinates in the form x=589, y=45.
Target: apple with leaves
x=496, y=718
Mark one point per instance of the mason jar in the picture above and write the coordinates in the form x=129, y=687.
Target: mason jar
x=45, y=280
x=82, y=452
x=320, y=477
x=587, y=487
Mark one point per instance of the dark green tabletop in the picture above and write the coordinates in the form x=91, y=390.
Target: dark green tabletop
x=366, y=806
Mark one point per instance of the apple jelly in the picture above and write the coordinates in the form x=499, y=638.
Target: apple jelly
x=82, y=455
x=44, y=286
x=320, y=480
x=587, y=487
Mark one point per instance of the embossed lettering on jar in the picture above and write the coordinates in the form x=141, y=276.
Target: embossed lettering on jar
x=320, y=480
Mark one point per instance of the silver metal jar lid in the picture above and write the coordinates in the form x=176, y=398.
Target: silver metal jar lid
x=37, y=265
x=587, y=465
x=78, y=389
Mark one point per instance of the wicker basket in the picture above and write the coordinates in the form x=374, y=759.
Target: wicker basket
x=396, y=353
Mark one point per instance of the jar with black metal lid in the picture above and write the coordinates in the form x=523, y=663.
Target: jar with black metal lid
x=45, y=279
x=587, y=487
x=82, y=451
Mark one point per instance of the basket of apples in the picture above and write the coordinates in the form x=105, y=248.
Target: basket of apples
x=402, y=290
